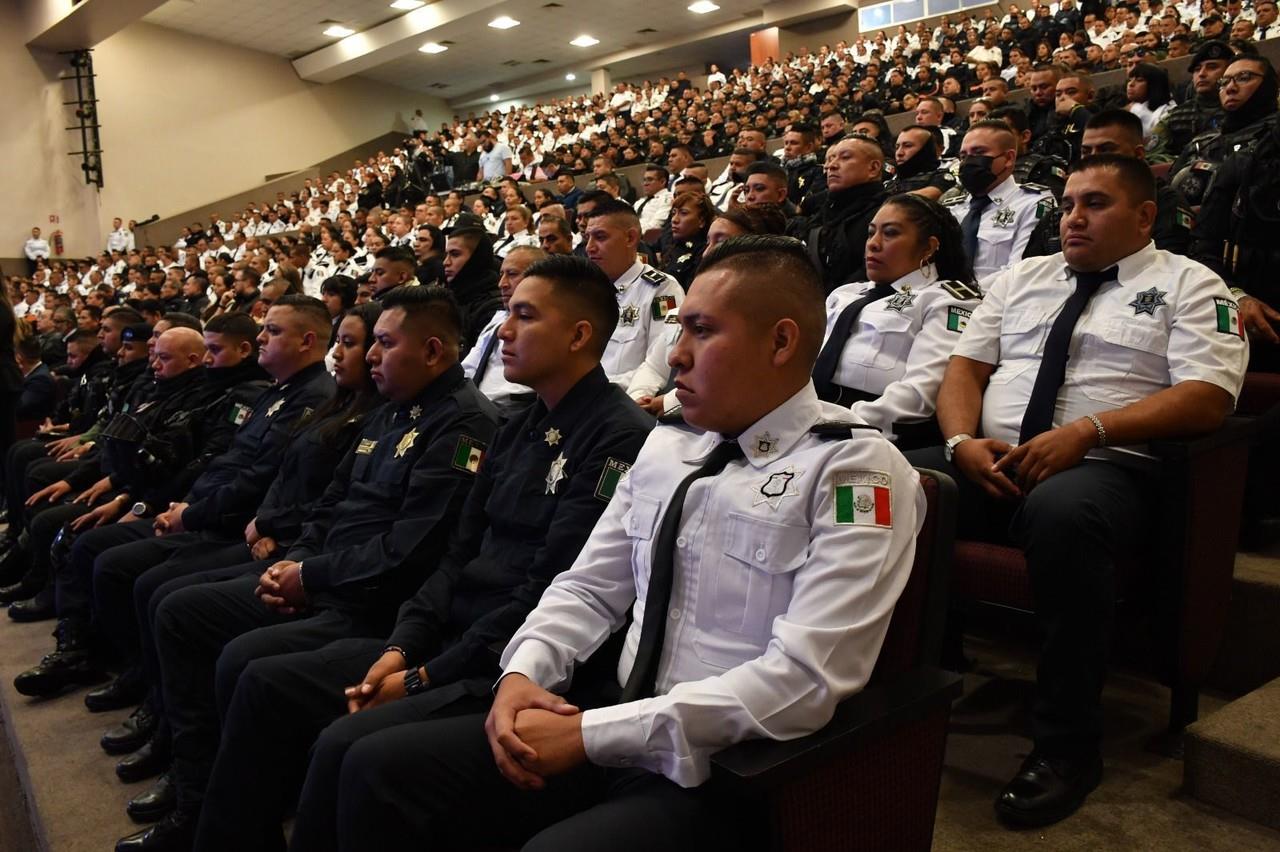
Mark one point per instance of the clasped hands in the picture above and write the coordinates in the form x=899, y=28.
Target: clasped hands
x=280, y=587
x=1006, y=471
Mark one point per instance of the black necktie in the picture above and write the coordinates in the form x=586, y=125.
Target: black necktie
x=1053, y=363
x=824, y=369
x=489, y=346
x=662, y=572
x=972, y=221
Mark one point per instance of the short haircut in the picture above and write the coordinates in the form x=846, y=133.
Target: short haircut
x=433, y=305
x=398, y=254
x=807, y=132
x=83, y=336
x=178, y=319
x=586, y=288
x=769, y=168
x=780, y=267
x=616, y=207
x=29, y=347
x=1133, y=173
x=311, y=310
x=594, y=196
x=661, y=170
x=996, y=126
x=1118, y=118
x=234, y=324
x=124, y=315
x=1012, y=114
x=610, y=178
x=252, y=274
x=757, y=218
x=558, y=223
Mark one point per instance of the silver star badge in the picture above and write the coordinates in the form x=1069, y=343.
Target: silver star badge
x=552, y=437
x=1148, y=300
x=900, y=302
x=556, y=473
x=777, y=487
x=415, y=412
x=275, y=406
x=629, y=315
x=766, y=444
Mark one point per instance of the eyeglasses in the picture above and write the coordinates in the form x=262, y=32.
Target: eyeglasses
x=1240, y=78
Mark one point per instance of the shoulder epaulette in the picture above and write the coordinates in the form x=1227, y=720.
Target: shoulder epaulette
x=1031, y=186
x=654, y=277
x=962, y=291
x=955, y=195
x=836, y=430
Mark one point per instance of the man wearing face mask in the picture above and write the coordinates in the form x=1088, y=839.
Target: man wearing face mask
x=996, y=213
x=1198, y=113
x=919, y=168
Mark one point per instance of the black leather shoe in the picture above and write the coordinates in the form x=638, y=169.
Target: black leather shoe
x=175, y=833
x=132, y=733
x=69, y=665
x=41, y=607
x=152, y=805
x=13, y=565
x=21, y=590
x=1047, y=790
x=127, y=690
x=147, y=762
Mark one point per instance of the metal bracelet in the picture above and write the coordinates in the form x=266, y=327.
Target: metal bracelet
x=1097, y=424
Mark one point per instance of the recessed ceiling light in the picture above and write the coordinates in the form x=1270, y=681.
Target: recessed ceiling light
x=493, y=99
x=505, y=22
x=702, y=7
x=584, y=41
x=338, y=31
x=433, y=47
x=407, y=5
x=571, y=76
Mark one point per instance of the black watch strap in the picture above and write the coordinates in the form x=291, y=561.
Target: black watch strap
x=413, y=681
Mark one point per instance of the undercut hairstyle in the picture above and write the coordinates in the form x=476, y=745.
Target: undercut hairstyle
x=235, y=325
x=931, y=219
x=124, y=315
x=749, y=152
x=767, y=168
x=1012, y=114
x=1134, y=174
x=1086, y=82
x=661, y=170
x=935, y=133
x=595, y=196
x=311, y=311
x=83, y=336
x=177, y=319
x=757, y=218
x=433, y=307
x=999, y=127
x=616, y=207
x=587, y=291
x=398, y=254
x=807, y=132
x=780, y=270
x=342, y=286
x=1118, y=118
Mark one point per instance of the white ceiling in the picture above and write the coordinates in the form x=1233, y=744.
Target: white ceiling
x=474, y=63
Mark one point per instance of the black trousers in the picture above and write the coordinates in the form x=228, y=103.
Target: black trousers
x=432, y=784
x=205, y=636
x=75, y=579
x=1071, y=527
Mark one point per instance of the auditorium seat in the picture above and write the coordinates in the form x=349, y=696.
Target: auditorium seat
x=1181, y=580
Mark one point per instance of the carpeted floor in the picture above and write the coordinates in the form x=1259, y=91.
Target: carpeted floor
x=1138, y=806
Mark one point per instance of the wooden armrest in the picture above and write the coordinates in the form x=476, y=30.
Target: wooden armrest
x=757, y=766
x=1235, y=430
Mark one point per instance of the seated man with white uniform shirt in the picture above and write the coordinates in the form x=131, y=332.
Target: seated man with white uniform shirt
x=483, y=364
x=645, y=296
x=1110, y=341
x=761, y=560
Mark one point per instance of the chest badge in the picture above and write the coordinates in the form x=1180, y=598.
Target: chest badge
x=628, y=315
x=777, y=487
x=766, y=445
x=275, y=406
x=556, y=473
x=552, y=437
x=1004, y=217
x=901, y=301
x=1147, y=301
x=415, y=412
x=406, y=443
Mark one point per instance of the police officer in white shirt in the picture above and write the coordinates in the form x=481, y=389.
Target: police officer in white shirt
x=1110, y=341
x=483, y=364
x=645, y=295
x=760, y=561
x=888, y=339
x=35, y=249
x=120, y=237
x=654, y=205
x=996, y=213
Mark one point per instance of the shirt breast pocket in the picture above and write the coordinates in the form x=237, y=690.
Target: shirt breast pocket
x=641, y=524
x=1022, y=334
x=1126, y=350
x=753, y=575
x=885, y=345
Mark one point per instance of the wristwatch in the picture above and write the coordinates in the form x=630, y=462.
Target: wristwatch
x=949, y=448
x=140, y=508
x=413, y=681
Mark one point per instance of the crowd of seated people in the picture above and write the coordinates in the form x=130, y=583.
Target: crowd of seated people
x=306, y=480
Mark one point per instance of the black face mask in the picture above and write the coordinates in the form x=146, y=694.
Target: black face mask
x=924, y=160
x=976, y=175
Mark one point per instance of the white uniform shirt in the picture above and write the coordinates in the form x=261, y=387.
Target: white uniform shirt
x=34, y=248
x=503, y=247
x=900, y=346
x=493, y=383
x=120, y=239
x=653, y=210
x=782, y=595
x=1006, y=224
x=1166, y=320
x=645, y=297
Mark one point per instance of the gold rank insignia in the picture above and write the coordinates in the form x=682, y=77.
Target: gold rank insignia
x=415, y=412
x=800, y=182
x=553, y=437
x=275, y=406
x=406, y=443
x=365, y=447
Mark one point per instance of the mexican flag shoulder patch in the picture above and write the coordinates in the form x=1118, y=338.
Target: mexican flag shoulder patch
x=957, y=318
x=613, y=473
x=1228, y=316
x=863, y=497
x=468, y=454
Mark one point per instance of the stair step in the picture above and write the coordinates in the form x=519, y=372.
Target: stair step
x=1250, y=652
x=1232, y=757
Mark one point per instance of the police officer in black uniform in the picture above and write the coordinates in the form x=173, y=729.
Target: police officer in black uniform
x=544, y=483
x=1032, y=167
x=1200, y=112
x=919, y=166
x=378, y=531
x=837, y=233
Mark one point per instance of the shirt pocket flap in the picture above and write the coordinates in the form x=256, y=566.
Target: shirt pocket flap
x=642, y=518
x=1020, y=322
x=770, y=547
x=1141, y=336
x=889, y=322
